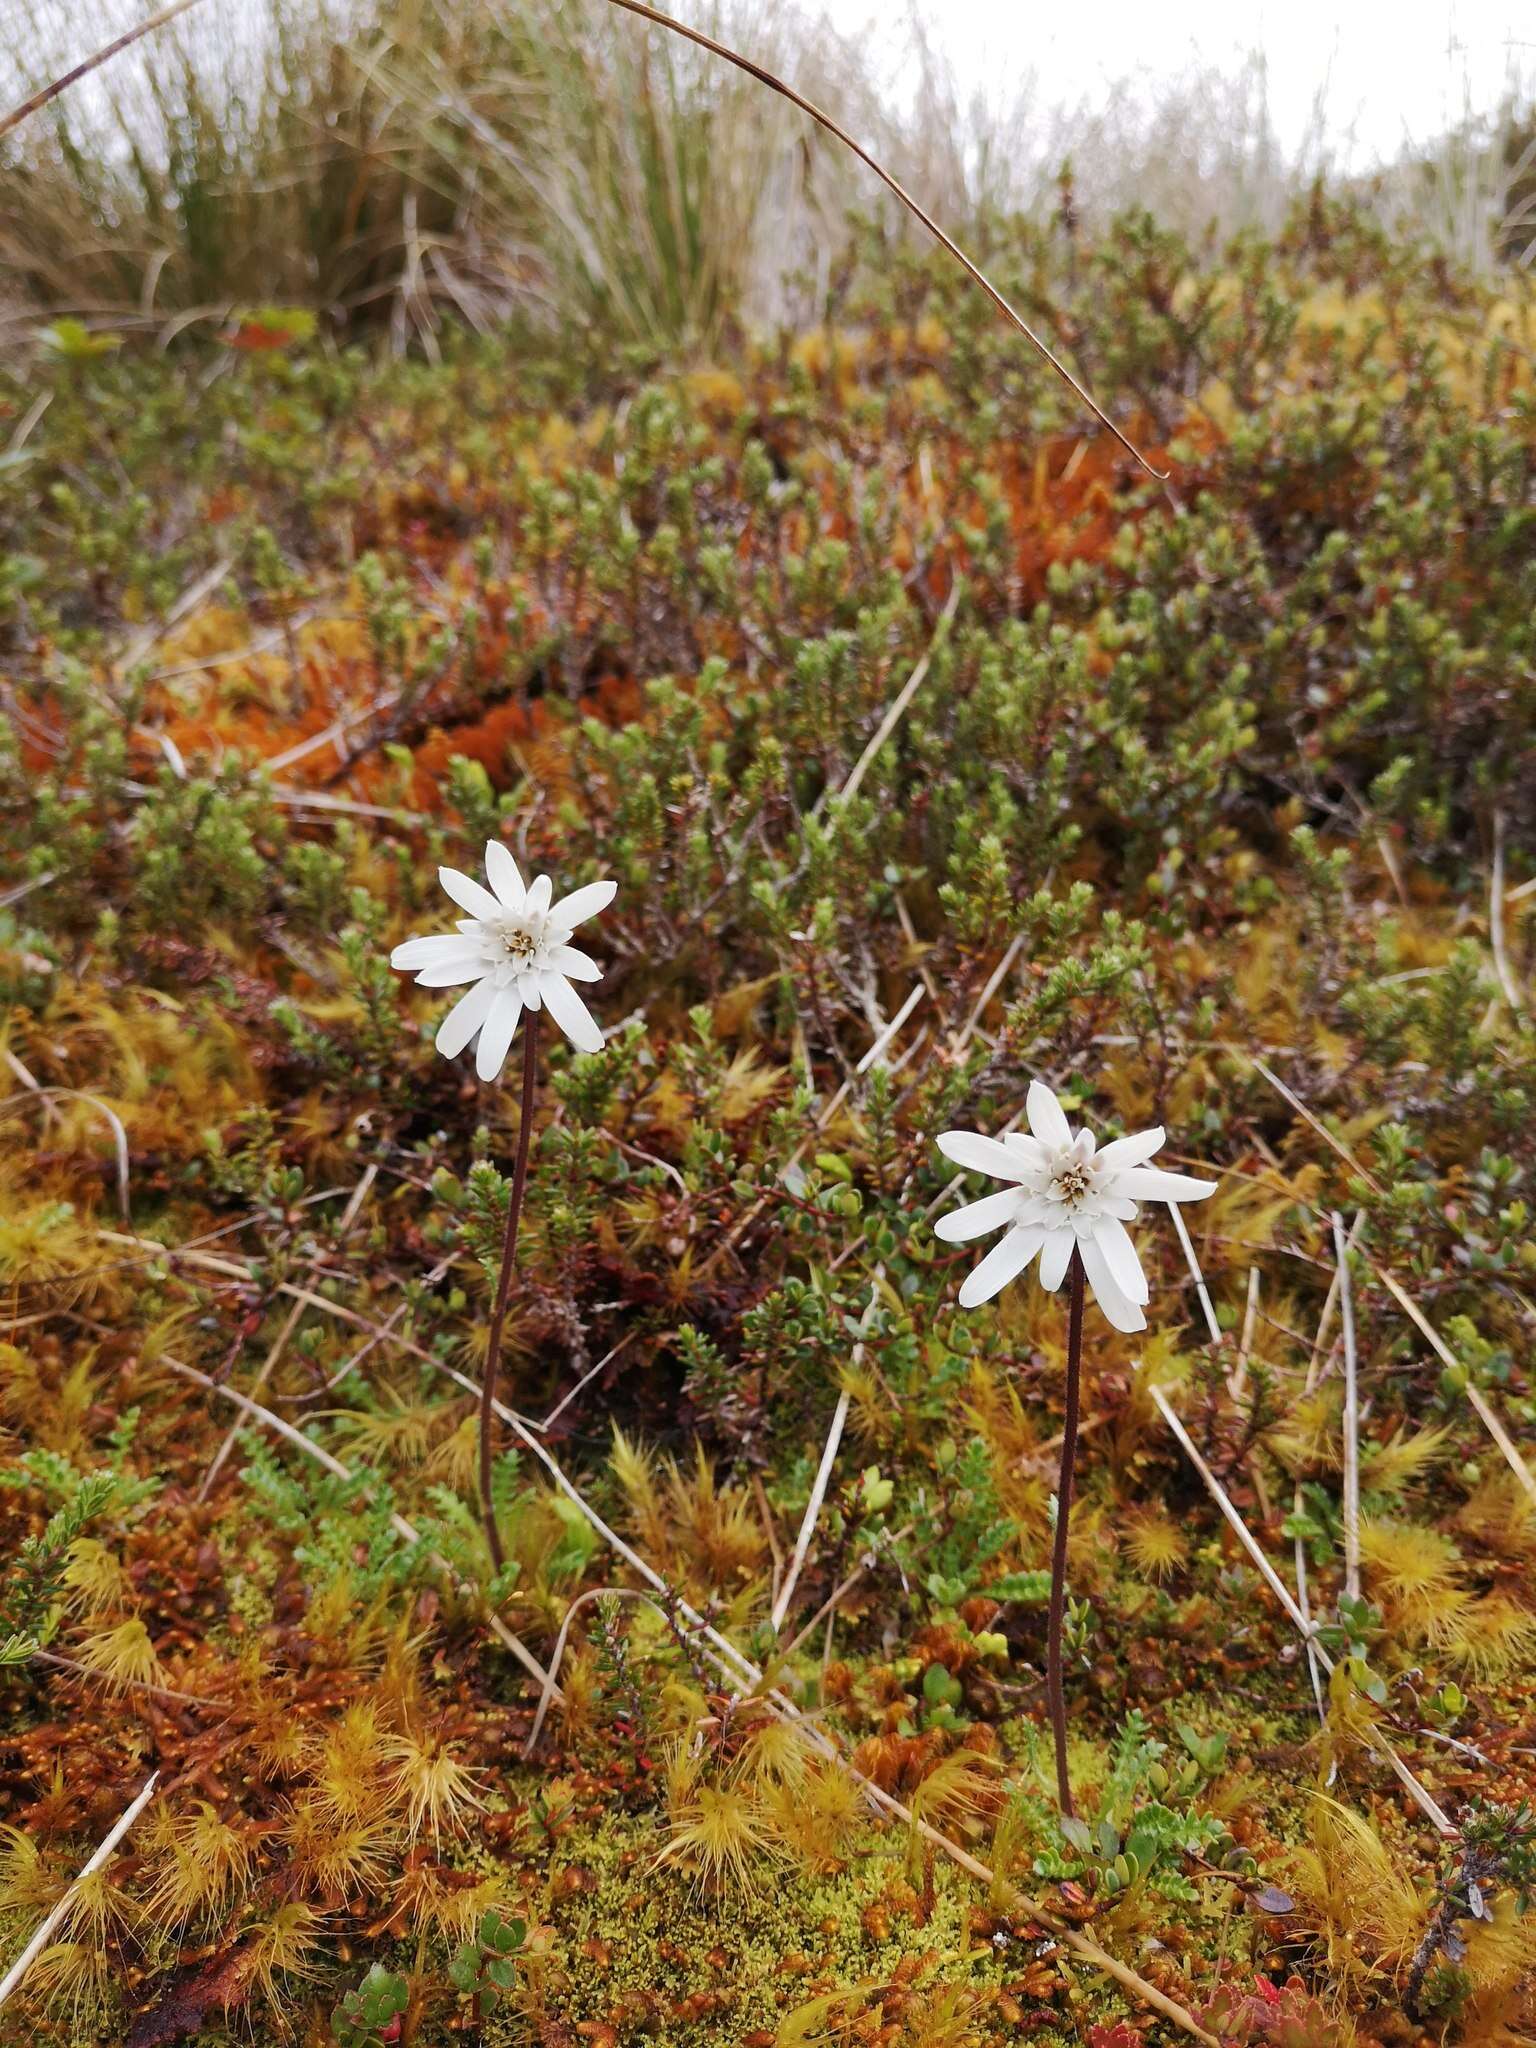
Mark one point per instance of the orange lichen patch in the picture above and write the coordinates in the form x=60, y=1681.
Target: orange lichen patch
x=1067, y=501
x=513, y=738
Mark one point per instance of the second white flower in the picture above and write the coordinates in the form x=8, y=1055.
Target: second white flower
x=1064, y=1193
x=515, y=946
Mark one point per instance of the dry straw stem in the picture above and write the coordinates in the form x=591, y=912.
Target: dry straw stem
x=240, y=1269
x=823, y=120
x=39, y=1941
x=824, y=1116
x=1238, y=1384
x=899, y=703
x=1351, y=1416
x=1507, y=980
x=33, y=1093
x=1485, y=1412
x=1316, y=1122
x=1199, y=1278
x=405, y=1530
x=1475, y=1395
x=51, y=92
x=1314, y=1373
x=274, y=1353
x=1424, y=1798
x=823, y=1472
x=551, y=1691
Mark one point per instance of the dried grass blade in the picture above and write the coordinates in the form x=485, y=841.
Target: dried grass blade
x=1485, y=1411
x=99, y=1855
x=823, y=120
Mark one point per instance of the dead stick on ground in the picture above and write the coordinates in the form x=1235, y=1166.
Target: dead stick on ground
x=1351, y=1417
x=119, y=1134
x=582, y=1600
x=274, y=1353
x=1475, y=1395
x=1314, y=1372
x=1237, y=1386
x=39, y=1941
x=1309, y=1116
x=1424, y=1798
x=904, y=697
x=1496, y=918
x=823, y=1473
x=1193, y=1263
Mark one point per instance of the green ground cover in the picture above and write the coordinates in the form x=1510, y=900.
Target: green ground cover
x=1214, y=806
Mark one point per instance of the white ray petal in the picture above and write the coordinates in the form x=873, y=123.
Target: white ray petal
x=1152, y=1184
x=449, y=973
x=574, y=964
x=583, y=903
x=1029, y=1149
x=977, y=1218
x=984, y=1155
x=1123, y=1313
x=1055, y=1257
x=496, y=1034
x=1132, y=1150
x=1047, y=1118
x=501, y=869
x=1123, y=1262
x=469, y=895
x=1006, y=1260
x=570, y=1013
x=465, y=1019
x=429, y=952
x=540, y=889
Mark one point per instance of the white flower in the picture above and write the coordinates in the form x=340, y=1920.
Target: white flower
x=515, y=947
x=1065, y=1193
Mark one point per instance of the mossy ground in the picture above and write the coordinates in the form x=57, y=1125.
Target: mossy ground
x=1216, y=807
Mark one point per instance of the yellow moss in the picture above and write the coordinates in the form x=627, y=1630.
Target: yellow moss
x=1405, y=1457
x=279, y=1946
x=1489, y=1636
x=717, y=1835
x=338, y=1858
x=1366, y=1911
x=120, y=1656
x=93, y=1579
x=202, y=1864
x=1155, y=1545
x=436, y=1791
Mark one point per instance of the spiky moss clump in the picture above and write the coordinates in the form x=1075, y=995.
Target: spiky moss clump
x=647, y=1949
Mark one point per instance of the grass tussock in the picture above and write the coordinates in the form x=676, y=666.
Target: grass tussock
x=399, y=163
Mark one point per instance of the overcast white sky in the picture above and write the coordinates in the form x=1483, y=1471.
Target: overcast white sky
x=1396, y=69
x=1393, y=70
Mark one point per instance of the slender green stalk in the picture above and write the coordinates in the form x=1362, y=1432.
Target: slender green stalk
x=1053, y=1673
x=504, y=1288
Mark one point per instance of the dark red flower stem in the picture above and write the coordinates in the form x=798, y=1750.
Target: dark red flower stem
x=504, y=1288
x=1053, y=1673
